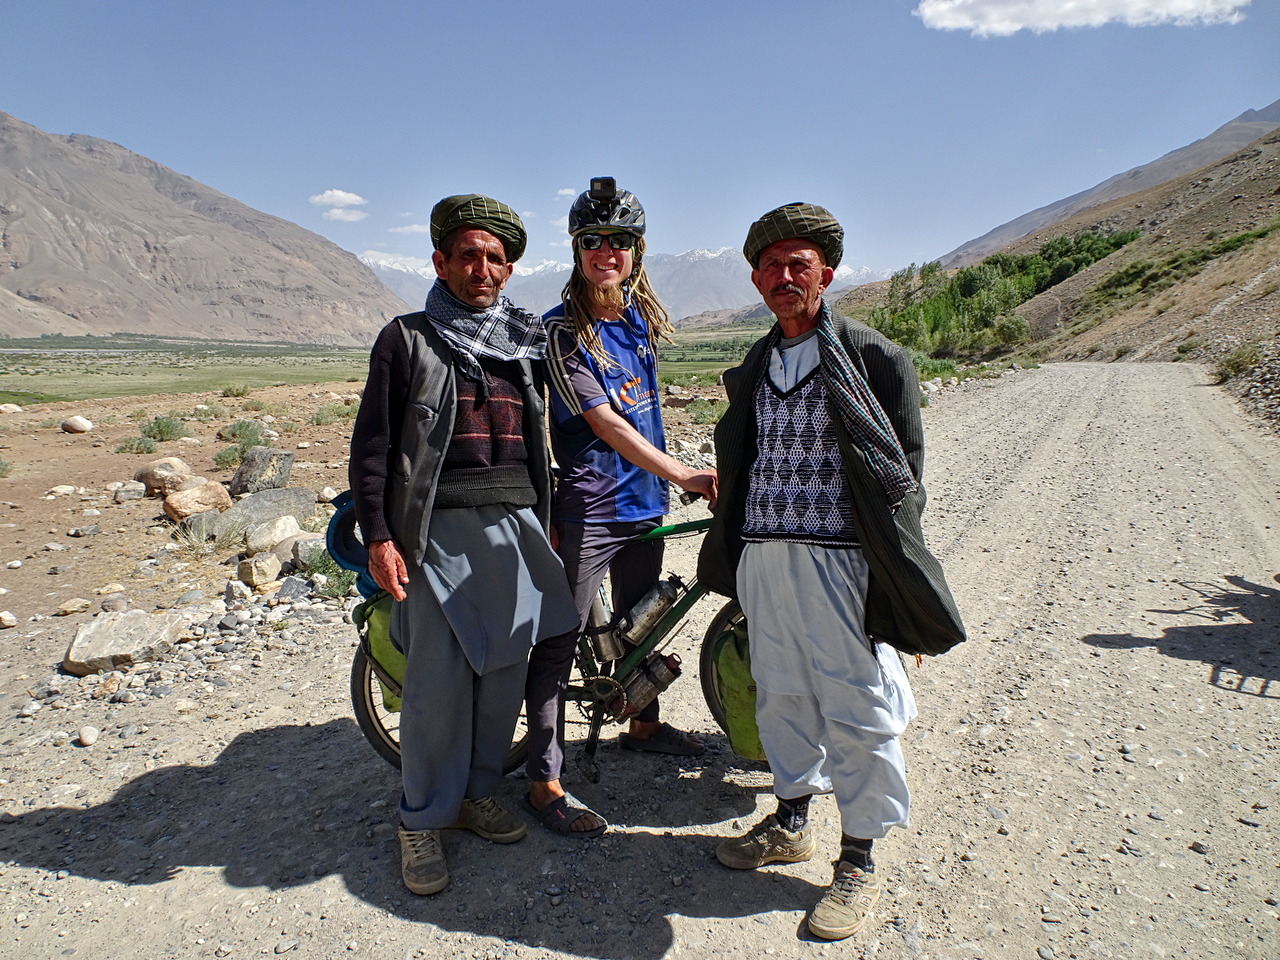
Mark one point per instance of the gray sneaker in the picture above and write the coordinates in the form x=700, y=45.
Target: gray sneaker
x=422, y=865
x=846, y=906
x=767, y=842
x=487, y=818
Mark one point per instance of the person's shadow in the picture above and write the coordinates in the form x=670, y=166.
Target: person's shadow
x=1238, y=636
x=283, y=806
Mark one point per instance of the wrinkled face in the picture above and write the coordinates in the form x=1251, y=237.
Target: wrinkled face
x=791, y=277
x=475, y=269
x=606, y=267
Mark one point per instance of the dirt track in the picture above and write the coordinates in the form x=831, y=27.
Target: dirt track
x=1094, y=772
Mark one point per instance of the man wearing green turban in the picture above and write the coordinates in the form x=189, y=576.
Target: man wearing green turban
x=450, y=480
x=817, y=534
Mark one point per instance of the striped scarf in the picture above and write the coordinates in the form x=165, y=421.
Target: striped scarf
x=862, y=415
x=502, y=331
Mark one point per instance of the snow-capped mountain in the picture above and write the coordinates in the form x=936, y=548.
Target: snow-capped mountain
x=688, y=284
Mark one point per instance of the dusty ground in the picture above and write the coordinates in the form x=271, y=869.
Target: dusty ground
x=1094, y=772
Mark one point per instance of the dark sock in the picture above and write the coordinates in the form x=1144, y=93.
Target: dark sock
x=858, y=852
x=793, y=814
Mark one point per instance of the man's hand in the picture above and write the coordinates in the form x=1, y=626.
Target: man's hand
x=387, y=567
x=703, y=482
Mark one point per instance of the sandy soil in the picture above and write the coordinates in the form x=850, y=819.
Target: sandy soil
x=1094, y=772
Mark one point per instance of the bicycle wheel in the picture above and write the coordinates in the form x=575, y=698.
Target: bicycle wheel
x=381, y=727
x=730, y=615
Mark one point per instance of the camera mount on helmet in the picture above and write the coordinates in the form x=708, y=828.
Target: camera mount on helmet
x=605, y=207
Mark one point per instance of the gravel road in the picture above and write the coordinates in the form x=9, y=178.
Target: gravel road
x=1094, y=772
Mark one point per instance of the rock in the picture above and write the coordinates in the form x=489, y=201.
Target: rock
x=306, y=549
x=116, y=639
x=61, y=490
x=7, y=620
x=184, y=503
x=327, y=495
x=265, y=536
x=256, y=508
x=10, y=408
x=263, y=468
x=76, y=605
x=115, y=603
x=258, y=570
x=14, y=564
x=133, y=490
x=110, y=588
x=77, y=425
x=293, y=588
x=190, y=484
x=87, y=736
x=88, y=531
x=163, y=476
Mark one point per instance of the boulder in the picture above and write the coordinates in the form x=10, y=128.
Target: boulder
x=164, y=475
x=184, y=503
x=256, y=508
x=263, y=468
x=112, y=640
x=77, y=425
x=305, y=550
x=10, y=408
x=265, y=536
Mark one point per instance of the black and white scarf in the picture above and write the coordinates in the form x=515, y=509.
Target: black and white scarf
x=502, y=331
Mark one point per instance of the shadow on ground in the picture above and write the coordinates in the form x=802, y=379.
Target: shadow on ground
x=1238, y=636
x=284, y=806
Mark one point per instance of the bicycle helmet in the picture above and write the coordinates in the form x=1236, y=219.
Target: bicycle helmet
x=342, y=539
x=605, y=206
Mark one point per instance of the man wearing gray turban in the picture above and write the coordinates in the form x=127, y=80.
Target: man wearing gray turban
x=450, y=479
x=817, y=534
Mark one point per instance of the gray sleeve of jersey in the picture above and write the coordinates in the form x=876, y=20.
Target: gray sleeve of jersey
x=570, y=376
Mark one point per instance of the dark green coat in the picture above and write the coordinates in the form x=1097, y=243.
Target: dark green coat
x=908, y=602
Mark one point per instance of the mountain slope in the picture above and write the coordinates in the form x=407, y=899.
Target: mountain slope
x=102, y=239
x=1226, y=140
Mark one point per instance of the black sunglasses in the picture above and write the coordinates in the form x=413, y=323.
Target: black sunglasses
x=617, y=241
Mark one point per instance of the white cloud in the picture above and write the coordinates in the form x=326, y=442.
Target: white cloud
x=561, y=223
x=337, y=198
x=1001, y=18
x=346, y=216
x=412, y=228
x=566, y=192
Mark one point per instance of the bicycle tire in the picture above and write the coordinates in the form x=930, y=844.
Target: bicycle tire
x=381, y=727
x=730, y=614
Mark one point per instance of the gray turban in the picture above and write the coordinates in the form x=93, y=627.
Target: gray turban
x=804, y=221
x=473, y=211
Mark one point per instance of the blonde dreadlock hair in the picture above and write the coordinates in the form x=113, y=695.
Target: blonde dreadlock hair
x=636, y=292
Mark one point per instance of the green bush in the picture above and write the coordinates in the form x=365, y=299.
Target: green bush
x=707, y=411
x=236, y=390
x=228, y=457
x=165, y=428
x=6, y=468
x=244, y=433
x=338, y=580
x=333, y=412
x=137, y=445
x=208, y=411
x=1238, y=361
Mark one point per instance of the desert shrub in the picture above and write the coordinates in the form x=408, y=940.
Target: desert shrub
x=1123, y=350
x=137, y=445
x=236, y=390
x=6, y=468
x=253, y=405
x=333, y=412
x=706, y=411
x=139, y=414
x=229, y=457
x=245, y=433
x=1188, y=345
x=208, y=411
x=338, y=581
x=165, y=428
x=1238, y=361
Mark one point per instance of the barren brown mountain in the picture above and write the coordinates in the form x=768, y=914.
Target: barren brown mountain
x=97, y=239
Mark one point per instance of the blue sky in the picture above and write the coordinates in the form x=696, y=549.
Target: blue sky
x=919, y=123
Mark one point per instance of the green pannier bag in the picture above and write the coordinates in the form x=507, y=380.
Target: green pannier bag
x=731, y=655
x=373, y=619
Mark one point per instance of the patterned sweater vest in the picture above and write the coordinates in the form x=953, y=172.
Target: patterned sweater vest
x=796, y=487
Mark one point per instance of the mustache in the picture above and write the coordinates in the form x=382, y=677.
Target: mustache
x=787, y=288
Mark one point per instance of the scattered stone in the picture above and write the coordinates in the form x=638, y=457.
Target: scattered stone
x=77, y=425
x=87, y=736
x=297, y=502
x=115, y=603
x=88, y=531
x=61, y=490
x=14, y=564
x=292, y=588
x=7, y=620
x=10, y=408
x=133, y=490
x=190, y=483
x=185, y=503
x=258, y=570
x=74, y=605
x=306, y=549
x=115, y=639
x=327, y=495
x=263, y=468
